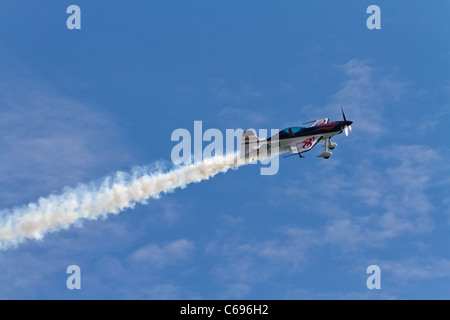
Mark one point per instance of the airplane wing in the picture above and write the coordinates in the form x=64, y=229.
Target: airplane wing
x=320, y=122
x=305, y=144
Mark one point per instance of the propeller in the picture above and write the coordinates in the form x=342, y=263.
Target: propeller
x=347, y=127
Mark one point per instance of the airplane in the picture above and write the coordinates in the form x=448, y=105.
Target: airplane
x=296, y=140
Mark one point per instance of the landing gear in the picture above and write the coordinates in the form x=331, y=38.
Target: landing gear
x=327, y=153
x=331, y=145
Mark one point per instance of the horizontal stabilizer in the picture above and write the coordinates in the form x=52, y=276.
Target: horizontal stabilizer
x=320, y=122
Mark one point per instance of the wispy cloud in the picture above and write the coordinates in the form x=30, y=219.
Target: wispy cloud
x=382, y=204
x=49, y=141
x=415, y=268
x=363, y=95
x=238, y=100
x=120, y=267
x=234, y=93
x=243, y=261
x=236, y=116
x=360, y=97
x=160, y=256
x=382, y=194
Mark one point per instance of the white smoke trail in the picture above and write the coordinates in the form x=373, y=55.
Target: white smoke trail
x=115, y=194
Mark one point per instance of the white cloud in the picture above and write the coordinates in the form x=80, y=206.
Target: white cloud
x=235, y=291
x=238, y=116
x=380, y=204
x=49, y=141
x=416, y=268
x=225, y=92
x=231, y=221
x=360, y=97
x=245, y=260
x=364, y=95
x=165, y=291
x=160, y=256
x=380, y=195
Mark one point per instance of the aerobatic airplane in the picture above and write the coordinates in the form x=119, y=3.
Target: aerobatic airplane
x=296, y=140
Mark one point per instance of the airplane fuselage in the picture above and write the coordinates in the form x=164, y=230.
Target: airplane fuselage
x=295, y=140
x=290, y=135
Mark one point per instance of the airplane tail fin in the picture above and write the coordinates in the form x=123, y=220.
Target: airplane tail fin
x=250, y=144
x=249, y=136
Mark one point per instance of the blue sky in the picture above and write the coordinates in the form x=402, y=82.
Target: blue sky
x=78, y=105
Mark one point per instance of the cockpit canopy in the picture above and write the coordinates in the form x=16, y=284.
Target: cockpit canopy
x=290, y=132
